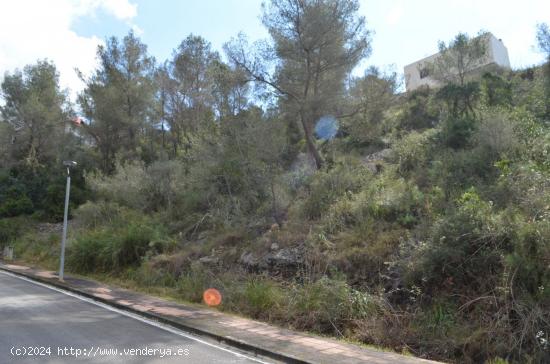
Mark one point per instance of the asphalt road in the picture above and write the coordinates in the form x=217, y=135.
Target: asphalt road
x=34, y=318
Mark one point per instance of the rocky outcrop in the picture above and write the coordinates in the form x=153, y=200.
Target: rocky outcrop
x=284, y=262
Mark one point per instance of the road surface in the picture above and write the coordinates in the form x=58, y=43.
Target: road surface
x=60, y=328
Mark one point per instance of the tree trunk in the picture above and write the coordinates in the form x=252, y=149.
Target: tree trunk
x=311, y=144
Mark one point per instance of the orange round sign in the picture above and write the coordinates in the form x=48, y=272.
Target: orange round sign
x=212, y=297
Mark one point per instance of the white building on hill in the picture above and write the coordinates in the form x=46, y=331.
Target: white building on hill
x=417, y=74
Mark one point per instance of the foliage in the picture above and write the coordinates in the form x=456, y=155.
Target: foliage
x=459, y=100
x=418, y=112
x=25, y=190
x=458, y=58
x=35, y=112
x=115, y=246
x=374, y=93
x=414, y=149
x=327, y=186
x=11, y=229
x=423, y=225
x=543, y=40
x=118, y=100
x=305, y=34
x=14, y=199
x=496, y=90
x=456, y=131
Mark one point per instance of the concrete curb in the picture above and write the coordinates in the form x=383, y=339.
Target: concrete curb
x=239, y=344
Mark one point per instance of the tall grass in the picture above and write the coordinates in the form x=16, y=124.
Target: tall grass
x=116, y=246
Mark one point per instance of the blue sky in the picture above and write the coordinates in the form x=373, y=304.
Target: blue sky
x=163, y=24
x=68, y=31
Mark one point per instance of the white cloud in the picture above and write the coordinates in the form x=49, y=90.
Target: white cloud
x=36, y=29
x=395, y=14
x=121, y=9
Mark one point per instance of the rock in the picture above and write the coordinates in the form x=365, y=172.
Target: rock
x=274, y=246
x=374, y=161
x=209, y=260
x=283, y=257
x=284, y=261
x=248, y=260
x=381, y=155
x=50, y=228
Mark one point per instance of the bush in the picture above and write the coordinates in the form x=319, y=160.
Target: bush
x=116, y=246
x=53, y=202
x=148, y=275
x=418, y=112
x=193, y=283
x=529, y=259
x=326, y=187
x=497, y=135
x=95, y=214
x=38, y=249
x=496, y=90
x=464, y=247
x=261, y=296
x=126, y=187
x=24, y=190
x=13, y=197
x=457, y=130
x=413, y=150
x=329, y=305
x=11, y=229
x=384, y=198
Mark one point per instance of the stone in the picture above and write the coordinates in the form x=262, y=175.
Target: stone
x=209, y=260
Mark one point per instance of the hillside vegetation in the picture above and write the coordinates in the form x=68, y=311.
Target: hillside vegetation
x=420, y=223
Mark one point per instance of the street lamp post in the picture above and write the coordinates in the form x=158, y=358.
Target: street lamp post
x=67, y=164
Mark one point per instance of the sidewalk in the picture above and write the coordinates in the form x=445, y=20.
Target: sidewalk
x=253, y=336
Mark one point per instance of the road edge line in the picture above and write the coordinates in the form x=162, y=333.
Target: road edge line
x=239, y=344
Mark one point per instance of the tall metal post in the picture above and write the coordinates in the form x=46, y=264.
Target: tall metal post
x=65, y=215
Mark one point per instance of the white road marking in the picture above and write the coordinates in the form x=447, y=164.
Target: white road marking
x=135, y=317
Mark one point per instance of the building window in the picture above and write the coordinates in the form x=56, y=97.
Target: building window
x=424, y=72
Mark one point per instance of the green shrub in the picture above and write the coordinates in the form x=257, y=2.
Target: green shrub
x=529, y=259
x=456, y=131
x=38, y=249
x=95, y=214
x=12, y=228
x=14, y=200
x=53, y=202
x=192, y=283
x=419, y=111
x=460, y=100
x=464, y=247
x=497, y=361
x=496, y=90
x=384, y=198
x=413, y=150
x=126, y=187
x=261, y=296
x=115, y=246
x=327, y=186
x=328, y=305
x=147, y=275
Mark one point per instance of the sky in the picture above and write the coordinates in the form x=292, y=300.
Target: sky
x=68, y=32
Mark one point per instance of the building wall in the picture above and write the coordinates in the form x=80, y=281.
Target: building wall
x=412, y=74
x=497, y=54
